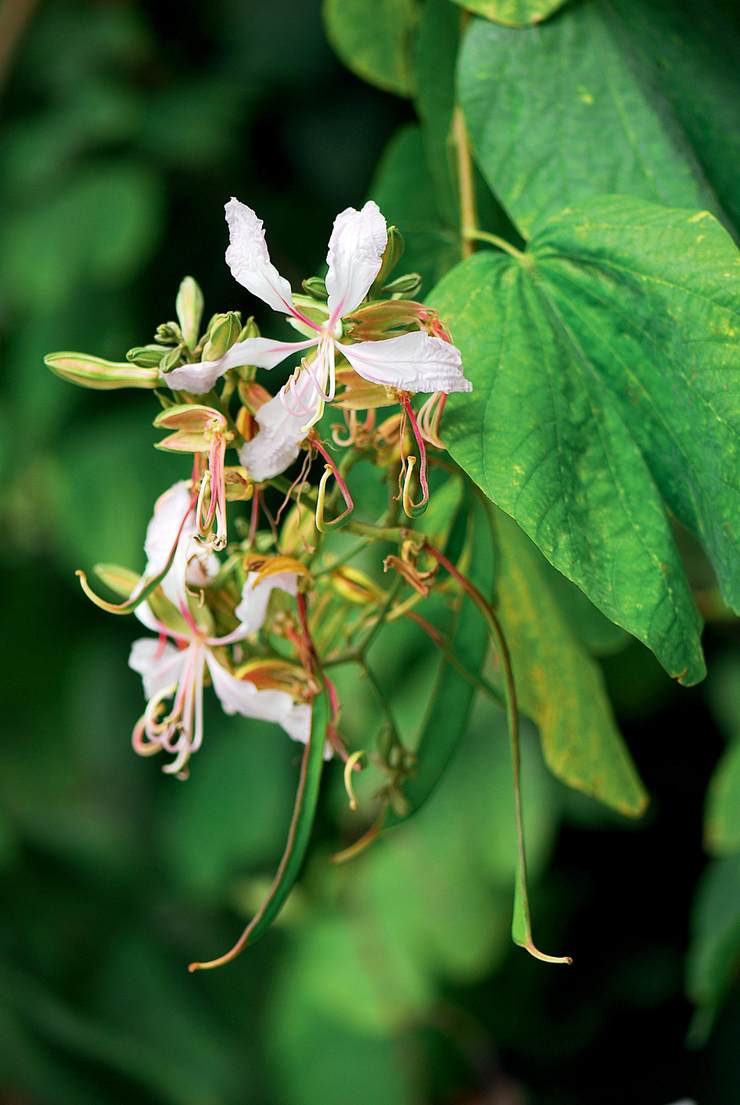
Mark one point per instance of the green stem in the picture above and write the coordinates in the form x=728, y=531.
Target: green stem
x=472, y=233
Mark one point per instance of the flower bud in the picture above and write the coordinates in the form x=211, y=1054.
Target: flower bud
x=250, y=330
x=223, y=331
x=194, y=426
x=315, y=286
x=172, y=357
x=409, y=284
x=391, y=256
x=189, y=307
x=148, y=356
x=94, y=372
x=168, y=333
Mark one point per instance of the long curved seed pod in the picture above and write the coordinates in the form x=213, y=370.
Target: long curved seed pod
x=299, y=835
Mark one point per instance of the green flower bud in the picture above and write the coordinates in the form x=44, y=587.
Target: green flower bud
x=223, y=331
x=94, y=372
x=189, y=306
x=407, y=285
x=148, y=356
x=172, y=357
x=315, y=286
x=168, y=333
x=250, y=330
x=391, y=256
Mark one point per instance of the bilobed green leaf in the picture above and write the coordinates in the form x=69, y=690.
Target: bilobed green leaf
x=559, y=687
x=512, y=13
x=580, y=107
x=604, y=365
x=373, y=39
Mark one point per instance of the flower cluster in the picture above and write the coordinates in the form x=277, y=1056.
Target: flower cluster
x=225, y=599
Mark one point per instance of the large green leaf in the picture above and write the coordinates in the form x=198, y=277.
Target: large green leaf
x=512, y=13
x=603, y=98
x=373, y=39
x=604, y=365
x=558, y=685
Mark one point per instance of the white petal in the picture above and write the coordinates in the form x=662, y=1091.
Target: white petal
x=239, y=696
x=159, y=666
x=284, y=422
x=261, y=352
x=249, y=261
x=193, y=564
x=252, y=610
x=411, y=362
x=355, y=251
x=297, y=724
x=195, y=378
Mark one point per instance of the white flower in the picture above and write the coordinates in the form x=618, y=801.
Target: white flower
x=174, y=667
x=410, y=362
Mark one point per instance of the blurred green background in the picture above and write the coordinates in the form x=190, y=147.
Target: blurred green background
x=391, y=981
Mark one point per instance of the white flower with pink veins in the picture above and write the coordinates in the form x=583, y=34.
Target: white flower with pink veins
x=413, y=362
x=173, y=668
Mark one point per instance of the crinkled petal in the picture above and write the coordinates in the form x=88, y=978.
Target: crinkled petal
x=355, y=251
x=159, y=665
x=284, y=422
x=249, y=260
x=411, y=362
x=261, y=352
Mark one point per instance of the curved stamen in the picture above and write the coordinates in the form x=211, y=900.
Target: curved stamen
x=330, y=470
x=408, y=464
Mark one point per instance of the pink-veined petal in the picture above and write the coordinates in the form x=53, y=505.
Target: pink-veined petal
x=410, y=362
x=284, y=422
x=159, y=665
x=355, y=251
x=249, y=260
x=239, y=696
x=260, y=352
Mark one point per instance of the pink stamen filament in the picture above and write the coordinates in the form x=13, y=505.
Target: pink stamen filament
x=341, y=484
